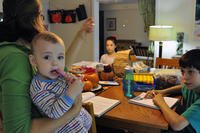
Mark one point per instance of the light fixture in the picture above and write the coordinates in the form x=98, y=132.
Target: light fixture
x=160, y=33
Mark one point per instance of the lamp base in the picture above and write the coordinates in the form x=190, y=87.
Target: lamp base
x=160, y=49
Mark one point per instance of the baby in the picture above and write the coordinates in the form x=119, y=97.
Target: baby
x=53, y=93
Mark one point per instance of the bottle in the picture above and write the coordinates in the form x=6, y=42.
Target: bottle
x=99, y=69
x=128, y=82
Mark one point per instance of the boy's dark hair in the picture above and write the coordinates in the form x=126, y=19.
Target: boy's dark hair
x=112, y=38
x=191, y=59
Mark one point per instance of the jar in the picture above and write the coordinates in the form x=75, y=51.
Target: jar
x=107, y=74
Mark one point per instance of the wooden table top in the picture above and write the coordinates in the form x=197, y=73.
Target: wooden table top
x=130, y=113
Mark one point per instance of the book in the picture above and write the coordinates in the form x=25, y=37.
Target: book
x=101, y=104
x=109, y=83
x=140, y=100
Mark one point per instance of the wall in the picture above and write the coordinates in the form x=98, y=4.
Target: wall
x=129, y=22
x=1, y=8
x=181, y=15
x=89, y=49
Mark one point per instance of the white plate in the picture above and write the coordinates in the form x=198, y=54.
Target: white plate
x=96, y=88
x=108, y=83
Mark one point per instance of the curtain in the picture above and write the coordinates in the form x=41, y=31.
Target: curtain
x=147, y=10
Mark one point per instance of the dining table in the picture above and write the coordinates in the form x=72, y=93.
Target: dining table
x=130, y=117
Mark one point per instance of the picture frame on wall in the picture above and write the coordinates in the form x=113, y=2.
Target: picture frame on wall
x=111, y=24
x=197, y=21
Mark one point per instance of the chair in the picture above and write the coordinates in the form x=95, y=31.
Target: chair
x=167, y=63
x=132, y=58
x=89, y=107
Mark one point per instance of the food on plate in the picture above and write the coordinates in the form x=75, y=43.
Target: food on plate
x=88, y=74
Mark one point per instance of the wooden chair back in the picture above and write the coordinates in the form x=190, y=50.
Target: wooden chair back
x=167, y=63
x=89, y=107
x=132, y=58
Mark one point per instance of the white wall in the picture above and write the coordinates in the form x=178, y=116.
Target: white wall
x=89, y=50
x=181, y=15
x=129, y=22
x=90, y=47
x=1, y=8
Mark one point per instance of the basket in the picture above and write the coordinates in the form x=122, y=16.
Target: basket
x=144, y=82
x=143, y=87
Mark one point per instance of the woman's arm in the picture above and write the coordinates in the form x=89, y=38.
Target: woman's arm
x=74, y=48
x=46, y=125
x=87, y=27
x=176, y=121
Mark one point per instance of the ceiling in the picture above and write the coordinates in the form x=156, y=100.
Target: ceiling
x=117, y=1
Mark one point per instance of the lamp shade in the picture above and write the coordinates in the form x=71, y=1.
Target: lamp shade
x=160, y=33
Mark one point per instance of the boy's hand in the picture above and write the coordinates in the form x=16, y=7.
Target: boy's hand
x=75, y=89
x=158, y=100
x=151, y=94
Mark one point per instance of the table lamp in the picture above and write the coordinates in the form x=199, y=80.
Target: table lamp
x=160, y=33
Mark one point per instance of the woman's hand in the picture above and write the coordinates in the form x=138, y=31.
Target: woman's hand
x=87, y=25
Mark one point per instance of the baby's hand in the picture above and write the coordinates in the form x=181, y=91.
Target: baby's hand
x=75, y=89
x=70, y=78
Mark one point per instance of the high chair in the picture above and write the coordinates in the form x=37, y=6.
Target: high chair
x=89, y=107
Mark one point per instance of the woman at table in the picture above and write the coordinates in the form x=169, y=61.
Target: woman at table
x=108, y=58
x=188, y=121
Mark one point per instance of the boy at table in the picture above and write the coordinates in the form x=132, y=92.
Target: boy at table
x=52, y=93
x=189, y=119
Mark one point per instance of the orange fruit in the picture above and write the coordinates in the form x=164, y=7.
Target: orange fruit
x=87, y=85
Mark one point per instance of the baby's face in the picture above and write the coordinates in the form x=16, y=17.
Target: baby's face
x=49, y=57
x=110, y=46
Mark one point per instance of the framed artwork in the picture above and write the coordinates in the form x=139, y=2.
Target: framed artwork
x=197, y=21
x=111, y=24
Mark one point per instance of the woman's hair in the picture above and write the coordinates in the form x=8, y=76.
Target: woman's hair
x=191, y=59
x=21, y=19
x=46, y=36
x=112, y=38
